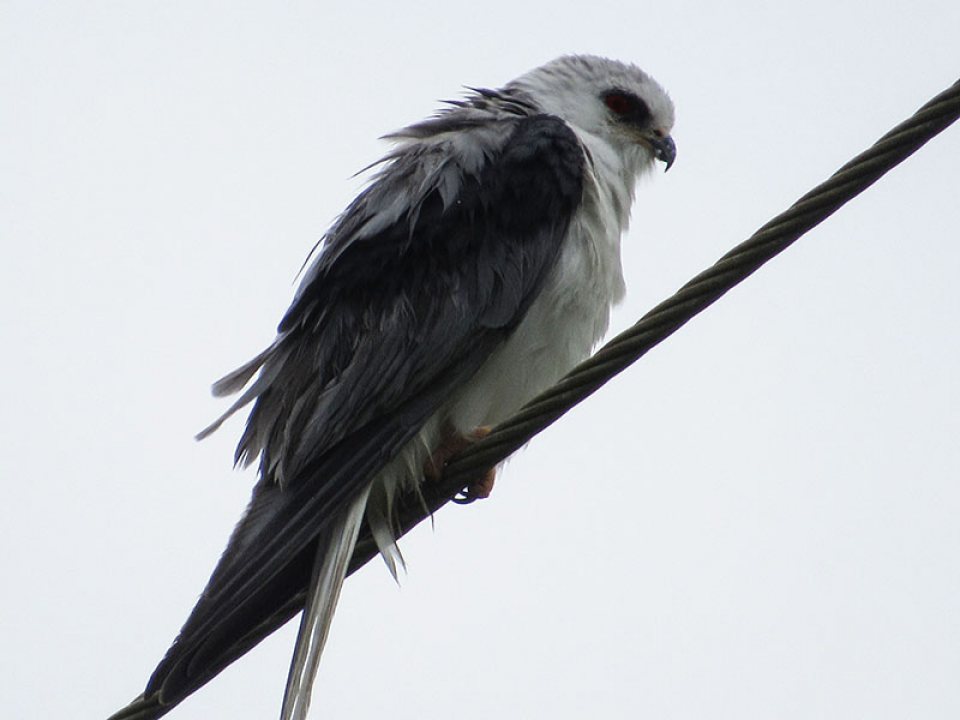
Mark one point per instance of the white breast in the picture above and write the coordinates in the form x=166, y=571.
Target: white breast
x=560, y=329
x=571, y=313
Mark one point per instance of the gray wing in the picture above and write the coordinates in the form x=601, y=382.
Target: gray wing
x=424, y=275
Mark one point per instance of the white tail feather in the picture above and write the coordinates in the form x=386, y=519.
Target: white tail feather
x=386, y=541
x=330, y=568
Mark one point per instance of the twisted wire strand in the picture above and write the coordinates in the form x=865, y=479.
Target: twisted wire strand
x=666, y=318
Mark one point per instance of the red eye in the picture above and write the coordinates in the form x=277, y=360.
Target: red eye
x=620, y=104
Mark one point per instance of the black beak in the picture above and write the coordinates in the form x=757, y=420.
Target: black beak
x=665, y=149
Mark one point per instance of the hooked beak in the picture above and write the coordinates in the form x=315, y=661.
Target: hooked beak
x=665, y=149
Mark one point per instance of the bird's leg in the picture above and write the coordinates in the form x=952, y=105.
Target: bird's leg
x=452, y=443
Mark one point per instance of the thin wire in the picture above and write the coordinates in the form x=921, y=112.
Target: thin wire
x=669, y=316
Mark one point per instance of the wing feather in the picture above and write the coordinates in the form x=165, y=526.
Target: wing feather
x=421, y=279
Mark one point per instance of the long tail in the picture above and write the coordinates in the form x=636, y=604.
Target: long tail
x=311, y=579
x=329, y=570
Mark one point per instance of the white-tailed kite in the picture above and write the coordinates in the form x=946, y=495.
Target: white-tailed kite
x=476, y=269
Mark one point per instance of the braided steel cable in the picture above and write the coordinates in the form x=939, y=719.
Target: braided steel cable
x=667, y=317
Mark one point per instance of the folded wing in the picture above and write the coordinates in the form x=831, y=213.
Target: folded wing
x=419, y=281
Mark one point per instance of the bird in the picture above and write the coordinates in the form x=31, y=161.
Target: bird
x=476, y=268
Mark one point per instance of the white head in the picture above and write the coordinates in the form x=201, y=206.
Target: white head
x=609, y=99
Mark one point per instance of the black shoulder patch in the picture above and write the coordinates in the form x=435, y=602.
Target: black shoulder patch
x=539, y=174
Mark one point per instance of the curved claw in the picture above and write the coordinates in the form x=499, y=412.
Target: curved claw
x=452, y=444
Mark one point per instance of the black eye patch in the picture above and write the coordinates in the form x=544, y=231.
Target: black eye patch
x=627, y=106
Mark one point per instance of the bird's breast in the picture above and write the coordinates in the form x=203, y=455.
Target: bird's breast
x=563, y=324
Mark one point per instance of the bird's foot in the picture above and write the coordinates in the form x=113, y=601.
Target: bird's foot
x=452, y=444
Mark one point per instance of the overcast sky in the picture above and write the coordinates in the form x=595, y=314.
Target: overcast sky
x=759, y=520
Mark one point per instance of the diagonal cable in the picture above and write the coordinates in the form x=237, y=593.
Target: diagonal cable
x=667, y=317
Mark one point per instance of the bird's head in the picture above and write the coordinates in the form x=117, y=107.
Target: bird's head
x=609, y=99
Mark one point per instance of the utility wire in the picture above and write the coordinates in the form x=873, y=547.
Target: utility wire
x=667, y=317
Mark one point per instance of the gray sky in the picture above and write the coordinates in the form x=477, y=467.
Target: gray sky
x=757, y=521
